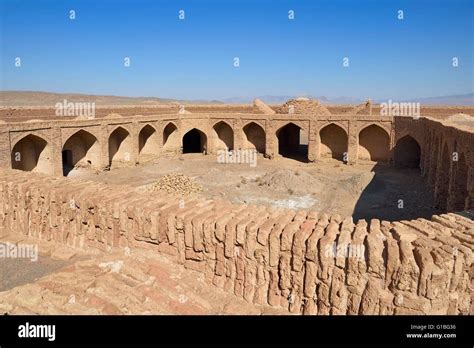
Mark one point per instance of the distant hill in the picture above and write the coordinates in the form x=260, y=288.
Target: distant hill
x=460, y=99
x=34, y=98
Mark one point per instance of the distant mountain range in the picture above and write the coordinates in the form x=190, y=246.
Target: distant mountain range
x=36, y=98
x=461, y=99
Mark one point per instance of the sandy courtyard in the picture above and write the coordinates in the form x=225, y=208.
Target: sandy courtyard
x=364, y=191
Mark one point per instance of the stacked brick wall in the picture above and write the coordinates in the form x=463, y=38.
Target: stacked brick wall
x=306, y=262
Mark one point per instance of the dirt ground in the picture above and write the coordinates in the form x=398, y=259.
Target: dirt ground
x=363, y=191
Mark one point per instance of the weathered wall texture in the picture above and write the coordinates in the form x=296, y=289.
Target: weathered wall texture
x=280, y=257
x=445, y=155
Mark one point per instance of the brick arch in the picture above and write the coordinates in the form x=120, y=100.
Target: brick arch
x=171, y=138
x=120, y=145
x=167, y=123
x=373, y=143
x=289, y=139
x=301, y=125
x=145, y=124
x=223, y=136
x=148, y=141
x=194, y=140
x=14, y=139
x=127, y=127
x=257, y=122
x=334, y=141
x=254, y=136
x=407, y=152
x=340, y=124
x=32, y=153
x=378, y=124
x=66, y=133
x=405, y=132
x=81, y=148
x=204, y=130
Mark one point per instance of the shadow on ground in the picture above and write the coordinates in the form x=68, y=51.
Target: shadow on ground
x=392, y=195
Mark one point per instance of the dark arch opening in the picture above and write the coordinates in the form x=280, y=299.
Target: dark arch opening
x=194, y=141
x=407, y=153
x=290, y=143
x=255, y=136
x=333, y=142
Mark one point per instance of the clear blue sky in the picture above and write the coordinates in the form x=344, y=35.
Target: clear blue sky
x=389, y=58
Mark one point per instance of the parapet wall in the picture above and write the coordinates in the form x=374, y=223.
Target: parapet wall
x=303, y=261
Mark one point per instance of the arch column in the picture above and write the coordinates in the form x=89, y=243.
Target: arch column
x=352, y=142
x=134, y=134
x=56, y=150
x=271, y=141
x=313, y=141
x=239, y=134
x=104, y=147
x=211, y=146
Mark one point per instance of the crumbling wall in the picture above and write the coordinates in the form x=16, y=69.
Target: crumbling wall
x=306, y=262
x=303, y=106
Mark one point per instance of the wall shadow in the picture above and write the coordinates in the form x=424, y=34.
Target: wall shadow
x=395, y=194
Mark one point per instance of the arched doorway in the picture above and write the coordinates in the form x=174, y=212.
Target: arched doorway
x=81, y=149
x=374, y=144
x=225, y=136
x=194, y=141
x=148, y=145
x=290, y=142
x=255, y=137
x=333, y=142
x=32, y=153
x=170, y=138
x=407, y=153
x=120, y=146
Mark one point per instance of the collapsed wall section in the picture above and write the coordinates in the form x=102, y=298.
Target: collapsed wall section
x=306, y=262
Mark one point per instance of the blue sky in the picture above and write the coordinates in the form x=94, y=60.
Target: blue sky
x=193, y=59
